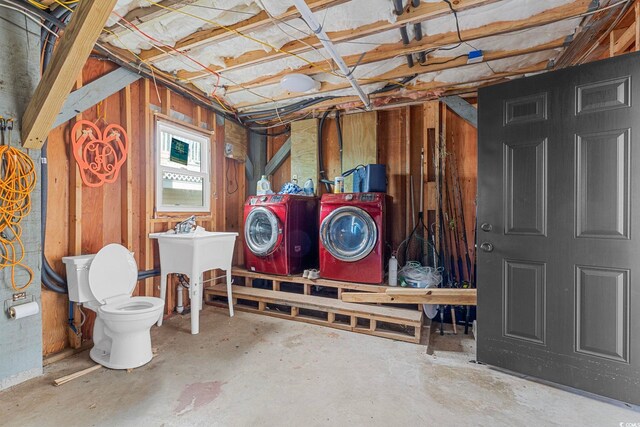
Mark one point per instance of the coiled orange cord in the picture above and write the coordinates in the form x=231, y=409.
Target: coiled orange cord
x=17, y=181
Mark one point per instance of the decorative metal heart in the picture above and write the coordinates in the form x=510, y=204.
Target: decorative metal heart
x=100, y=155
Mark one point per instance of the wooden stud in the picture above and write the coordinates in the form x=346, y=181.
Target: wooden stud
x=149, y=185
x=75, y=198
x=331, y=317
x=307, y=289
x=126, y=192
x=276, y=285
x=262, y=305
x=295, y=311
x=372, y=324
x=73, y=49
x=353, y=321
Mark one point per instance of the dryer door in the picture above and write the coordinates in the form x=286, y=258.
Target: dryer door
x=262, y=231
x=349, y=233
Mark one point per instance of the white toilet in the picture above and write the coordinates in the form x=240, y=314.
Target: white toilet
x=103, y=283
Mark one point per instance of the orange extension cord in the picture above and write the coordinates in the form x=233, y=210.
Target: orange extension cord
x=17, y=181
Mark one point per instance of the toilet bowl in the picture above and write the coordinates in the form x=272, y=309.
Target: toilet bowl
x=104, y=283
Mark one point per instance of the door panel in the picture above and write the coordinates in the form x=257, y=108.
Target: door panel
x=526, y=188
x=557, y=295
x=524, y=300
x=602, y=312
x=602, y=177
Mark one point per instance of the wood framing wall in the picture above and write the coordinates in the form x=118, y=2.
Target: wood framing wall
x=81, y=220
x=401, y=134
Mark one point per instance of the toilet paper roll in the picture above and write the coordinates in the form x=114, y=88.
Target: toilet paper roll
x=24, y=310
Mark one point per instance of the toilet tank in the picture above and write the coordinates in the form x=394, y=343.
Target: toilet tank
x=78, y=277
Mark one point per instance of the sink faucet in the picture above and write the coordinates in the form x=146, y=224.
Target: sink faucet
x=186, y=226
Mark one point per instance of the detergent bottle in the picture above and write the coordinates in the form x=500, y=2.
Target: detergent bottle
x=263, y=187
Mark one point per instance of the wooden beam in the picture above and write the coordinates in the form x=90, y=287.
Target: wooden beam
x=432, y=64
x=444, y=296
x=461, y=107
x=126, y=192
x=218, y=33
x=87, y=96
x=425, y=12
x=281, y=155
x=329, y=87
x=68, y=59
x=141, y=15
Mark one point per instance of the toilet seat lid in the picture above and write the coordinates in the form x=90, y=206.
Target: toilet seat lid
x=113, y=272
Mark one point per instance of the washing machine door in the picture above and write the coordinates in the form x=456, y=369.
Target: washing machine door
x=349, y=233
x=262, y=231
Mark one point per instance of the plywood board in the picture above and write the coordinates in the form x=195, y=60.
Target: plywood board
x=359, y=146
x=304, y=151
x=236, y=141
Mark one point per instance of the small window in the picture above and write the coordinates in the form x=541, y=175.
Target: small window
x=182, y=168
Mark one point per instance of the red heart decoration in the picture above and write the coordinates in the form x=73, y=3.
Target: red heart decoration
x=99, y=155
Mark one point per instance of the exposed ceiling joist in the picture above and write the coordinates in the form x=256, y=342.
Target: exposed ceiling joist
x=424, y=12
x=438, y=64
x=392, y=50
x=406, y=71
x=148, y=13
x=430, y=91
x=73, y=49
x=218, y=34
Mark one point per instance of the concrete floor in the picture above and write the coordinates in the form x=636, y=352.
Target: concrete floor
x=257, y=370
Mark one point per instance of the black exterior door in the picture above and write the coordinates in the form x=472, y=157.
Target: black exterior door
x=559, y=227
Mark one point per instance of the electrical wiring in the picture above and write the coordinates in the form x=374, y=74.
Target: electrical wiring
x=17, y=181
x=28, y=16
x=173, y=49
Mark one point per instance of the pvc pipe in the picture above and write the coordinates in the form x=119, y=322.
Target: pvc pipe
x=315, y=26
x=179, y=306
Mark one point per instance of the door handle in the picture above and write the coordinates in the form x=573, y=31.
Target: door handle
x=486, y=227
x=486, y=246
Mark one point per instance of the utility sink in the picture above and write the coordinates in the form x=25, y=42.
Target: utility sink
x=193, y=254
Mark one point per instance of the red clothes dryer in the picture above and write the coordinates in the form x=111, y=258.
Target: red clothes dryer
x=352, y=236
x=280, y=233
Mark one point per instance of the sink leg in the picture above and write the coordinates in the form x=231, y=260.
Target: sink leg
x=163, y=294
x=229, y=296
x=201, y=296
x=195, y=306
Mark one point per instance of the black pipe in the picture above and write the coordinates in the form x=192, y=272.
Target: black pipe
x=415, y=3
x=398, y=7
x=417, y=29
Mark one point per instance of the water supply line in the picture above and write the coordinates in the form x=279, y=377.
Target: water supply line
x=317, y=29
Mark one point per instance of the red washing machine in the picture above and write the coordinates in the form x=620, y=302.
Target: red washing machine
x=353, y=236
x=280, y=233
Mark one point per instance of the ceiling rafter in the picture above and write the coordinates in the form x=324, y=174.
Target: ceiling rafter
x=399, y=72
x=405, y=70
x=422, y=13
x=401, y=98
x=144, y=14
x=392, y=50
x=214, y=35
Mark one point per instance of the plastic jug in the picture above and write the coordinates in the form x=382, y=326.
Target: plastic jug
x=308, y=187
x=263, y=187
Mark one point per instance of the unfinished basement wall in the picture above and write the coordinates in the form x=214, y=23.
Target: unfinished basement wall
x=20, y=340
x=401, y=133
x=81, y=219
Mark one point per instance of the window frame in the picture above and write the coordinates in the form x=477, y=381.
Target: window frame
x=203, y=136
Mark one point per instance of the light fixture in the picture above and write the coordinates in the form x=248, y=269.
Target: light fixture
x=296, y=82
